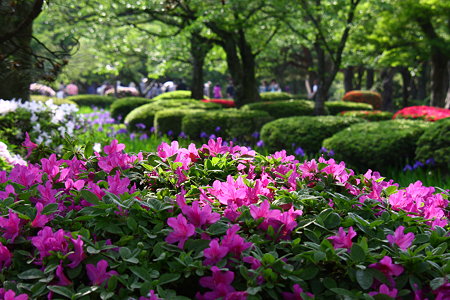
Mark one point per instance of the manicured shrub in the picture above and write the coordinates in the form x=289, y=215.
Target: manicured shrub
x=283, y=108
x=369, y=115
x=306, y=132
x=336, y=107
x=56, y=101
x=175, y=95
x=228, y=123
x=377, y=145
x=122, y=92
x=274, y=96
x=92, y=100
x=170, y=120
x=122, y=107
x=370, y=97
x=217, y=221
x=435, y=144
x=145, y=114
x=427, y=113
x=227, y=103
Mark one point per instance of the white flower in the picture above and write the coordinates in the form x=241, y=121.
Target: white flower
x=97, y=147
x=7, y=106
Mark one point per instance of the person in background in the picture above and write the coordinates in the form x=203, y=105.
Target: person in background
x=217, y=91
x=60, y=93
x=72, y=89
x=263, y=87
x=274, y=87
x=207, y=89
x=312, y=92
x=92, y=89
x=230, y=90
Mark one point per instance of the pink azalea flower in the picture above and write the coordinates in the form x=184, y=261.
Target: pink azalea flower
x=62, y=279
x=10, y=226
x=47, y=193
x=387, y=267
x=230, y=191
x=114, y=147
x=5, y=257
x=231, y=212
x=97, y=274
x=181, y=230
x=47, y=241
x=151, y=296
x=234, y=242
x=25, y=175
x=263, y=211
x=78, y=184
x=402, y=240
x=9, y=189
x=118, y=186
x=214, y=253
x=51, y=165
x=199, y=217
x=443, y=292
x=219, y=282
x=384, y=289
x=28, y=144
x=342, y=239
x=165, y=151
x=78, y=255
x=40, y=220
x=296, y=295
x=253, y=261
x=11, y=295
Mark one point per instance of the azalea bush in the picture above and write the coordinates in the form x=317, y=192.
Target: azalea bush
x=369, y=97
x=427, y=113
x=217, y=221
x=369, y=115
x=226, y=103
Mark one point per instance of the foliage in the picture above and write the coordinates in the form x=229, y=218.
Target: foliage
x=122, y=92
x=226, y=103
x=377, y=145
x=369, y=97
x=435, y=143
x=228, y=123
x=145, y=114
x=174, y=95
x=122, y=107
x=428, y=113
x=306, y=132
x=169, y=121
x=369, y=115
x=217, y=221
x=336, y=107
x=56, y=101
x=92, y=100
x=283, y=108
x=274, y=96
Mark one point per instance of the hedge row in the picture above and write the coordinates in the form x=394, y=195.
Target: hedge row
x=369, y=115
x=170, y=120
x=92, y=100
x=122, y=107
x=435, y=144
x=336, y=107
x=275, y=96
x=283, y=108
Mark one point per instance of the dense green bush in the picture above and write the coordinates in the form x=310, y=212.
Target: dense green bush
x=170, y=120
x=336, y=107
x=274, y=96
x=176, y=95
x=57, y=101
x=122, y=107
x=92, y=100
x=306, y=132
x=369, y=97
x=283, y=108
x=435, y=143
x=369, y=115
x=145, y=114
x=377, y=145
x=227, y=123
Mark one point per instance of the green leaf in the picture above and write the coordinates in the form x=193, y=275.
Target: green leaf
x=90, y=197
x=254, y=290
x=343, y=292
x=332, y=221
x=437, y=283
x=132, y=224
x=268, y=258
x=86, y=291
x=31, y=274
x=125, y=252
x=364, y=278
x=357, y=253
x=168, y=277
x=61, y=290
x=144, y=273
x=50, y=208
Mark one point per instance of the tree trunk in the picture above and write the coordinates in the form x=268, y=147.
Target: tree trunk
x=199, y=49
x=406, y=80
x=322, y=91
x=369, y=78
x=422, y=82
x=387, y=87
x=359, y=78
x=439, y=78
x=348, y=79
x=413, y=88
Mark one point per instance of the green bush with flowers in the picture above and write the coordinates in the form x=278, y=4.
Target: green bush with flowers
x=435, y=143
x=369, y=97
x=217, y=221
x=337, y=107
x=369, y=115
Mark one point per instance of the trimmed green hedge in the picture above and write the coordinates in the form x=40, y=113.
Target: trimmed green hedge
x=145, y=114
x=306, y=132
x=377, y=145
x=92, y=100
x=56, y=101
x=369, y=115
x=171, y=119
x=176, y=95
x=275, y=96
x=336, y=107
x=122, y=107
x=283, y=108
x=435, y=143
x=233, y=123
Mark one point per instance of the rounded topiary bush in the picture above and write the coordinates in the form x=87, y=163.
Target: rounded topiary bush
x=92, y=100
x=227, y=123
x=283, y=108
x=435, y=144
x=377, y=145
x=336, y=107
x=145, y=114
x=274, y=96
x=175, y=95
x=369, y=115
x=170, y=120
x=369, y=97
x=307, y=132
x=122, y=107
